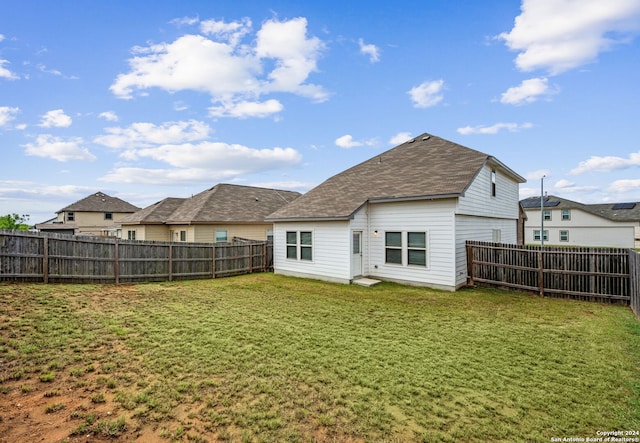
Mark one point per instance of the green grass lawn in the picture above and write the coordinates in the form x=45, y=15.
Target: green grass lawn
x=271, y=358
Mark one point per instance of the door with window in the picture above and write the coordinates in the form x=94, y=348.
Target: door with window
x=356, y=253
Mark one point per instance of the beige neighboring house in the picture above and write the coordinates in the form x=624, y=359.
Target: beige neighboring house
x=97, y=214
x=219, y=214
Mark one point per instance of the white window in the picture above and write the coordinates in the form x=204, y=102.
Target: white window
x=413, y=246
x=417, y=248
x=566, y=214
x=496, y=235
x=221, y=236
x=300, y=245
x=564, y=235
x=393, y=247
x=546, y=214
x=131, y=235
x=536, y=235
x=71, y=216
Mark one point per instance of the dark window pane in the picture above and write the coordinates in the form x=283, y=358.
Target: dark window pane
x=417, y=257
x=305, y=238
x=292, y=237
x=417, y=240
x=305, y=253
x=291, y=252
x=393, y=256
x=393, y=239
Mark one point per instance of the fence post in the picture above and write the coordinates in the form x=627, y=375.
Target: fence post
x=116, y=262
x=540, y=273
x=213, y=261
x=170, y=262
x=469, y=264
x=45, y=260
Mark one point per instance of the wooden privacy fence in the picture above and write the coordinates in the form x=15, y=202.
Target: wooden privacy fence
x=51, y=258
x=594, y=274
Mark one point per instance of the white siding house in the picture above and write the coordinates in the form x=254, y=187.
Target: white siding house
x=571, y=223
x=402, y=216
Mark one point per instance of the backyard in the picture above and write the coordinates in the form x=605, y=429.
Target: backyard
x=264, y=357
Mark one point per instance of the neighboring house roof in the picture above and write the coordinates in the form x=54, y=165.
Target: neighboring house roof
x=100, y=202
x=426, y=167
x=621, y=212
x=225, y=203
x=156, y=213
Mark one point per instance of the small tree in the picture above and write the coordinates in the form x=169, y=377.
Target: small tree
x=14, y=221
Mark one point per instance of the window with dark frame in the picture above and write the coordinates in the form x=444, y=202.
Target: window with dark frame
x=306, y=240
x=71, y=216
x=108, y=215
x=183, y=235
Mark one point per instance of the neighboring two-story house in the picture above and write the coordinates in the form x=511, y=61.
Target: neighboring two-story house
x=571, y=223
x=97, y=214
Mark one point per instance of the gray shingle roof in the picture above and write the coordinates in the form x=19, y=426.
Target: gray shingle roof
x=425, y=167
x=100, y=202
x=225, y=203
x=605, y=210
x=156, y=213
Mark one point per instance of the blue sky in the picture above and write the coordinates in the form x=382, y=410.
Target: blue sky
x=147, y=100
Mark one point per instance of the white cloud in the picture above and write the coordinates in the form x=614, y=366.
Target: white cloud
x=55, y=119
x=59, y=149
x=204, y=162
x=184, y=21
x=538, y=174
x=244, y=109
x=427, y=94
x=626, y=185
x=561, y=35
x=528, y=92
x=399, y=138
x=5, y=73
x=347, y=141
x=230, y=72
x=494, y=129
x=369, y=49
x=141, y=135
x=7, y=114
x=109, y=116
x=231, y=32
x=606, y=164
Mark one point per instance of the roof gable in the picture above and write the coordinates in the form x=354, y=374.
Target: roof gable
x=424, y=167
x=100, y=202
